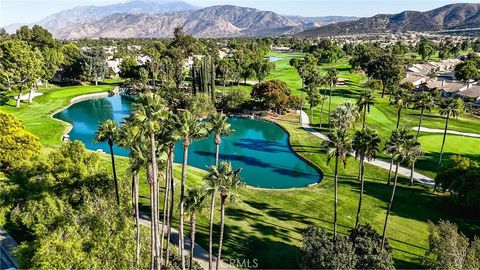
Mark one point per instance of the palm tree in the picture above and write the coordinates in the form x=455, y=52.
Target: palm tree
x=189, y=128
x=413, y=153
x=398, y=145
x=107, y=131
x=365, y=145
x=338, y=145
x=225, y=180
x=449, y=107
x=364, y=101
x=345, y=115
x=194, y=203
x=401, y=98
x=149, y=112
x=332, y=78
x=217, y=124
x=128, y=136
x=423, y=101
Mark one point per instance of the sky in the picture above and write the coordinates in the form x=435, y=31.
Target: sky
x=29, y=11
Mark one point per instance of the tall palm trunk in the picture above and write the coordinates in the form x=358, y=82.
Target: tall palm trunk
x=335, y=200
x=384, y=235
x=419, y=123
x=210, y=235
x=112, y=157
x=222, y=225
x=192, y=237
x=364, y=120
x=329, y=107
x=170, y=216
x=383, y=90
x=412, y=169
x=321, y=112
x=390, y=172
x=181, y=239
x=443, y=142
x=217, y=142
x=362, y=184
x=152, y=227
x=137, y=218
x=398, y=115
x=155, y=225
x=165, y=222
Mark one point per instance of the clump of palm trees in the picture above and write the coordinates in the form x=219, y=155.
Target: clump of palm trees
x=343, y=140
x=150, y=134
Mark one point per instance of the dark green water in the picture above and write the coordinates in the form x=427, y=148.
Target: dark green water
x=260, y=148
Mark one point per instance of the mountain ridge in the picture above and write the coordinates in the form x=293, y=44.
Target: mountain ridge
x=453, y=16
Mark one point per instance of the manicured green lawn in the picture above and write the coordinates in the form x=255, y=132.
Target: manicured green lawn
x=36, y=116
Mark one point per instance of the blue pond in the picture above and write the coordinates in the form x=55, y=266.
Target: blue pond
x=260, y=148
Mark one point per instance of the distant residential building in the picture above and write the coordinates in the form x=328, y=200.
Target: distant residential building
x=414, y=79
x=470, y=93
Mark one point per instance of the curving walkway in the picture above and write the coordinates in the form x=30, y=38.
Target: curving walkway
x=379, y=163
x=453, y=132
x=200, y=255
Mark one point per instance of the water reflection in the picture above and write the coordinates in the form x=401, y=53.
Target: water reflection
x=261, y=148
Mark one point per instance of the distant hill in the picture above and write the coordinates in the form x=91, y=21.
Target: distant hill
x=87, y=14
x=454, y=16
x=215, y=21
x=158, y=18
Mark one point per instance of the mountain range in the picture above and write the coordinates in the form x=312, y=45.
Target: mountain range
x=454, y=16
x=157, y=19
x=146, y=19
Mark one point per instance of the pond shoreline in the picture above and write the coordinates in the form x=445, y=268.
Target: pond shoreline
x=105, y=94
x=73, y=101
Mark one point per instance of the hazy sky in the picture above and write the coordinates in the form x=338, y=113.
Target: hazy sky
x=27, y=11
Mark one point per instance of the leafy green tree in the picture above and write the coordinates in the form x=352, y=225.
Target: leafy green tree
x=449, y=107
x=20, y=65
x=235, y=100
x=94, y=64
x=129, y=69
x=62, y=206
x=262, y=68
x=338, y=145
x=467, y=71
x=426, y=48
x=449, y=249
x=319, y=251
x=365, y=144
x=272, y=94
x=108, y=132
x=16, y=144
x=218, y=125
x=388, y=69
x=460, y=179
x=367, y=245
